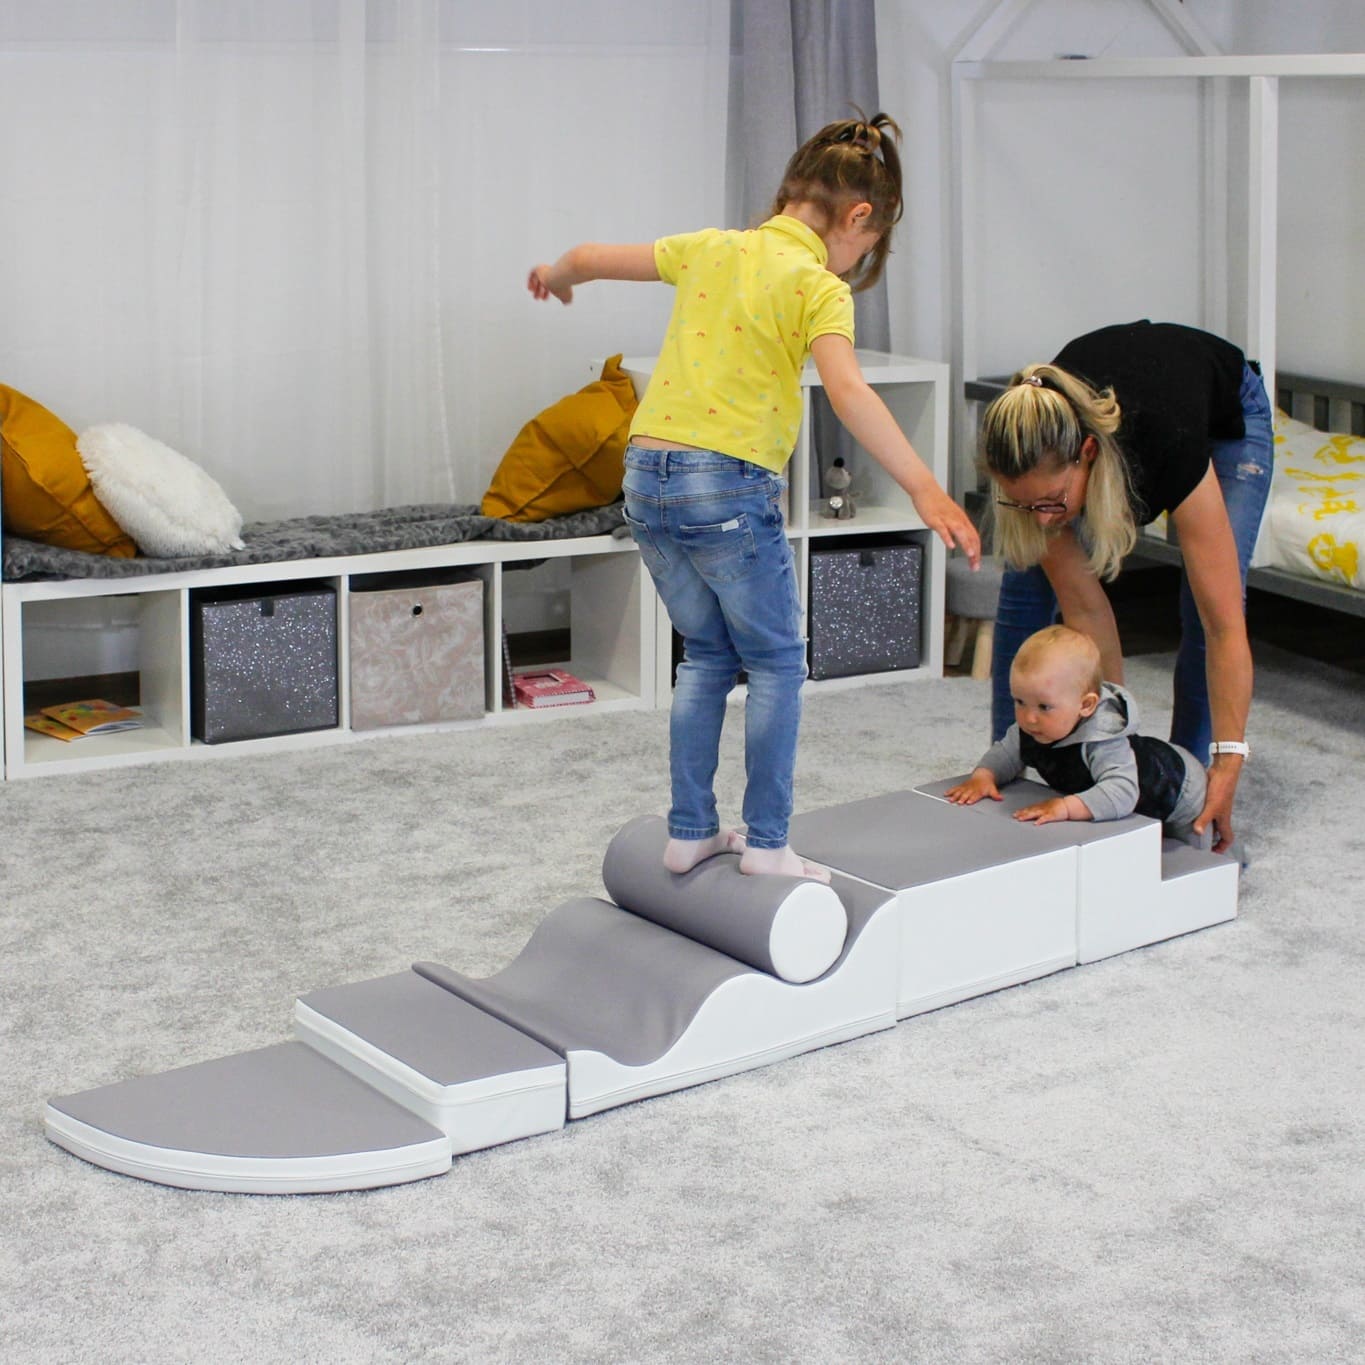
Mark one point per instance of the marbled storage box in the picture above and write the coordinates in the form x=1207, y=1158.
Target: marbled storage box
x=262, y=662
x=864, y=609
x=417, y=651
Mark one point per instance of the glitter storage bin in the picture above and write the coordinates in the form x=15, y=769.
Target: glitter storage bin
x=864, y=614
x=262, y=662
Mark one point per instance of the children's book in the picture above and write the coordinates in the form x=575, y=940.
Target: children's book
x=551, y=687
x=93, y=716
x=45, y=725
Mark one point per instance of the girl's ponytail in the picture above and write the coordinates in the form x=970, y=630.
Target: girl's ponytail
x=851, y=161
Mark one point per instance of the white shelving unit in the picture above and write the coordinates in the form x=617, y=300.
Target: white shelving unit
x=620, y=637
x=917, y=393
x=613, y=628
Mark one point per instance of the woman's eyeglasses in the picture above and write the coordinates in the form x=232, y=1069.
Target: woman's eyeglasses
x=1043, y=509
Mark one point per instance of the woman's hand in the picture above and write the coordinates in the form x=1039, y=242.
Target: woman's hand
x=1218, y=801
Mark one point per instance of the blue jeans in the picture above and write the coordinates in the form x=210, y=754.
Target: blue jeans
x=1027, y=602
x=710, y=531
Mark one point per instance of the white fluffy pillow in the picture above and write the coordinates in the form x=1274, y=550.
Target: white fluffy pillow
x=165, y=502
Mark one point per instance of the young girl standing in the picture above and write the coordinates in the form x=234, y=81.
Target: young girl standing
x=710, y=438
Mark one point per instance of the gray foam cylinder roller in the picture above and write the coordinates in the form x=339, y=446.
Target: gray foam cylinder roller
x=790, y=927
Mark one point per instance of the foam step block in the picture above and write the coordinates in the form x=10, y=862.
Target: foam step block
x=638, y=1010
x=477, y=1079
x=974, y=915
x=1124, y=897
x=280, y=1120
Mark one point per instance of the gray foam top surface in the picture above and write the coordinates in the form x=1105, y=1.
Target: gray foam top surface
x=596, y=977
x=909, y=838
x=280, y=1102
x=436, y=1033
x=1024, y=792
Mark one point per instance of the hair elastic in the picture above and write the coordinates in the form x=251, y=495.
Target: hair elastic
x=1034, y=380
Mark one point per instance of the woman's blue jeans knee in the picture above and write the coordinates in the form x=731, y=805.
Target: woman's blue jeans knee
x=1027, y=603
x=710, y=531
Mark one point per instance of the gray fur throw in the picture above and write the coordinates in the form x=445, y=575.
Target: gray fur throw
x=358, y=533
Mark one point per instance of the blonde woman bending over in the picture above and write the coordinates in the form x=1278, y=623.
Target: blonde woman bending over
x=1127, y=423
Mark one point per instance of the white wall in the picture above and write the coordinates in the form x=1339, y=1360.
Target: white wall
x=569, y=119
x=596, y=120
x=1090, y=194
x=186, y=243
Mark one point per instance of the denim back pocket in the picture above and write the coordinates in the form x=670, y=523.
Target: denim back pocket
x=723, y=550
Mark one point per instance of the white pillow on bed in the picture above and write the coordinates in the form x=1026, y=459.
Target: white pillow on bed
x=1315, y=518
x=164, y=501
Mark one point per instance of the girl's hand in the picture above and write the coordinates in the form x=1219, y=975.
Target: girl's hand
x=541, y=283
x=952, y=525
x=980, y=783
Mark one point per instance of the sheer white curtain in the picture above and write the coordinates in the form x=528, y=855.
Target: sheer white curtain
x=220, y=223
x=290, y=237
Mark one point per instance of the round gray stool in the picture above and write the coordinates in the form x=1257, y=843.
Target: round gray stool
x=971, y=602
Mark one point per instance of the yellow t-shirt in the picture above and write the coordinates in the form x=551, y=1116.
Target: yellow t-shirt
x=746, y=308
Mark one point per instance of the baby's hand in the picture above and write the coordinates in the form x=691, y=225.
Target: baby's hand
x=1045, y=812
x=980, y=783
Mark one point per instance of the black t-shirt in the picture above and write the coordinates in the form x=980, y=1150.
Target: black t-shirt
x=1178, y=388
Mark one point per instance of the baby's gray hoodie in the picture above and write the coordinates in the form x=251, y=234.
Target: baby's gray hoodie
x=1103, y=737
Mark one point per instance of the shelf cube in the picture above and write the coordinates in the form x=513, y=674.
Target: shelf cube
x=417, y=650
x=864, y=608
x=262, y=661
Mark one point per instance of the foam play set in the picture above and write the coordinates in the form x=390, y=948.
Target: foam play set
x=674, y=980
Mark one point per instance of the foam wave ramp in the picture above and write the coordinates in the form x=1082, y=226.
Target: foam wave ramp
x=673, y=981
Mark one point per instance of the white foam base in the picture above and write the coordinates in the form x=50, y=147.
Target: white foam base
x=247, y=1175
x=473, y=1114
x=752, y=1020
x=1124, y=900
x=997, y=927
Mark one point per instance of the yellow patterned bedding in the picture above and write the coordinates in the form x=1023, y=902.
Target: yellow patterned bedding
x=1315, y=520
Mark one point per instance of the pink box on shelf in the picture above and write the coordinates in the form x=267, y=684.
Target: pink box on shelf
x=417, y=651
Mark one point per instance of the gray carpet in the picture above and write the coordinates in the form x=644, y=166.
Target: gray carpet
x=1154, y=1158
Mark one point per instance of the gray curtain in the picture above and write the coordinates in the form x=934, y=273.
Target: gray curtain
x=796, y=65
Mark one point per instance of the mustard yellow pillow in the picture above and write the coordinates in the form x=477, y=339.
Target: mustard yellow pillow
x=45, y=489
x=570, y=457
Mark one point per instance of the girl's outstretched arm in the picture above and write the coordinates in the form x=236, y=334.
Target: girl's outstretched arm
x=869, y=420
x=592, y=261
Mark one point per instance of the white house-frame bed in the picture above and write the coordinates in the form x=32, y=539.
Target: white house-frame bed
x=1313, y=536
